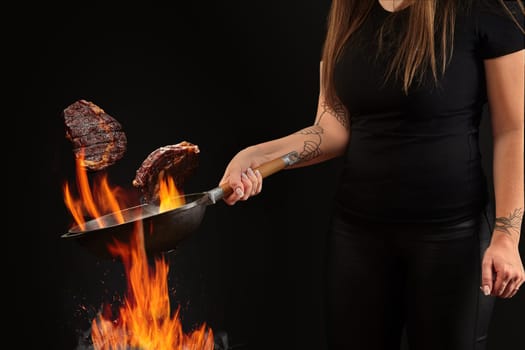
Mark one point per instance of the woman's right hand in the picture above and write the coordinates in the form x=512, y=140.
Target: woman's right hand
x=241, y=176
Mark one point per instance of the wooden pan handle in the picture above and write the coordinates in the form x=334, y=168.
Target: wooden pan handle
x=268, y=168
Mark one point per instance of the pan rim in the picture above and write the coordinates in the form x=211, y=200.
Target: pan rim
x=76, y=232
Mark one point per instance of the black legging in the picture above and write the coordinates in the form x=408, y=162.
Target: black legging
x=382, y=278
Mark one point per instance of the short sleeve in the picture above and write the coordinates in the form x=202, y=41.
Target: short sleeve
x=499, y=34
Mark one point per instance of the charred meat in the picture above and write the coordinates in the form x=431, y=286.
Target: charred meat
x=98, y=138
x=177, y=161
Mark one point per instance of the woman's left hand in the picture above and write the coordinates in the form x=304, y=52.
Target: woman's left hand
x=502, y=268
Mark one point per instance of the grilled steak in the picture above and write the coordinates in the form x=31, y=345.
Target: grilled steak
x=96, y=136
x=177, y=161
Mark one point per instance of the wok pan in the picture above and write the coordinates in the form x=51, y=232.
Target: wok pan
x=162, y=230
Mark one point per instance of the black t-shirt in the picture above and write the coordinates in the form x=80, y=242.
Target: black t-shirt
x=415, y=157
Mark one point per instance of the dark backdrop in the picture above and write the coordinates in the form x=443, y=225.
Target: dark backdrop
x=222, y=75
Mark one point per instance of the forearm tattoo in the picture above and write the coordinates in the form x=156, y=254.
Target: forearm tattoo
x=338, y=112
x=510, y=224
x=312, y=147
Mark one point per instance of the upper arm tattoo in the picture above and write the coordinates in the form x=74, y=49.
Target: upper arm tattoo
x=338, y=112
x=510, y=224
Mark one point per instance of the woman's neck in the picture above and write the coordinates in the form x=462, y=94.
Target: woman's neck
x=393, y=5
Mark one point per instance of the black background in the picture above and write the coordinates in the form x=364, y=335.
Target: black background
x=222, y=75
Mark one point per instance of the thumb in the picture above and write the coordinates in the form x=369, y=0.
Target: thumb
x=487, y=275
x=233, y=179
x=237, y=187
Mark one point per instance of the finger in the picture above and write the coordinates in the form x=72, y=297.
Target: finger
x=259, y=181
x=509, y=289
x=253, y=179
x=502, y=279
x=234, y=196
x=513, y=288
x=487, y=276
x=514, y=292
x=248, y=186
x=234, y=181
x=517, y=289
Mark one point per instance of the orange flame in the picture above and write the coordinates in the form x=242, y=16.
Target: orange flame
x=104, y=199
x=145, y=320
x=169, y=195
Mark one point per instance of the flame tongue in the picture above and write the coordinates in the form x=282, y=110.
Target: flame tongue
x=145, y=320
x=169, y=195
x=94, y=202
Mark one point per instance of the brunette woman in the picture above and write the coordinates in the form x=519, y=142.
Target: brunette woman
x=415, y=239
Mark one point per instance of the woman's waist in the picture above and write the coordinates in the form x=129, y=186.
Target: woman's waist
x=418, y=206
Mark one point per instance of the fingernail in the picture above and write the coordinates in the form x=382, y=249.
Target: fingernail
x=257, y=172
x=239, y=192
x=486, y=290
x=250, y=171
x=244, y=176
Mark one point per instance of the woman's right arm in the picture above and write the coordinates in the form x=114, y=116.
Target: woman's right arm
x=325, y=139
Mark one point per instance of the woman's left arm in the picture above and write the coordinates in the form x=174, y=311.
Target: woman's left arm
x=502, y=268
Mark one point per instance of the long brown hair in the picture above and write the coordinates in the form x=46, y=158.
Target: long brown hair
x=427, y=45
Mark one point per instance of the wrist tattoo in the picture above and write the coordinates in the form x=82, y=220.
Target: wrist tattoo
x=338, y=112
x=312, y=147
x=510, y=224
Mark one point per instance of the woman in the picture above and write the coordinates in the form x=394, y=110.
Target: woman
x=413, y=242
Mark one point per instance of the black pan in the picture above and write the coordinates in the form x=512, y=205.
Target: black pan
x=162, y=230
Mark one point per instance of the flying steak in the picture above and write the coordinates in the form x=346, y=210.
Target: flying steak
x=177, y=161
x=97, y=137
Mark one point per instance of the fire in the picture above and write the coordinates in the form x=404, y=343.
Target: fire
x=145, y=320
x=102, y=199
x=169, y=195
x=99, y=199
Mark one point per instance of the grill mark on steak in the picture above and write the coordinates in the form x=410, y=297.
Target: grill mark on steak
x=95, y=135
x=177, y=161
x=98, y=138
